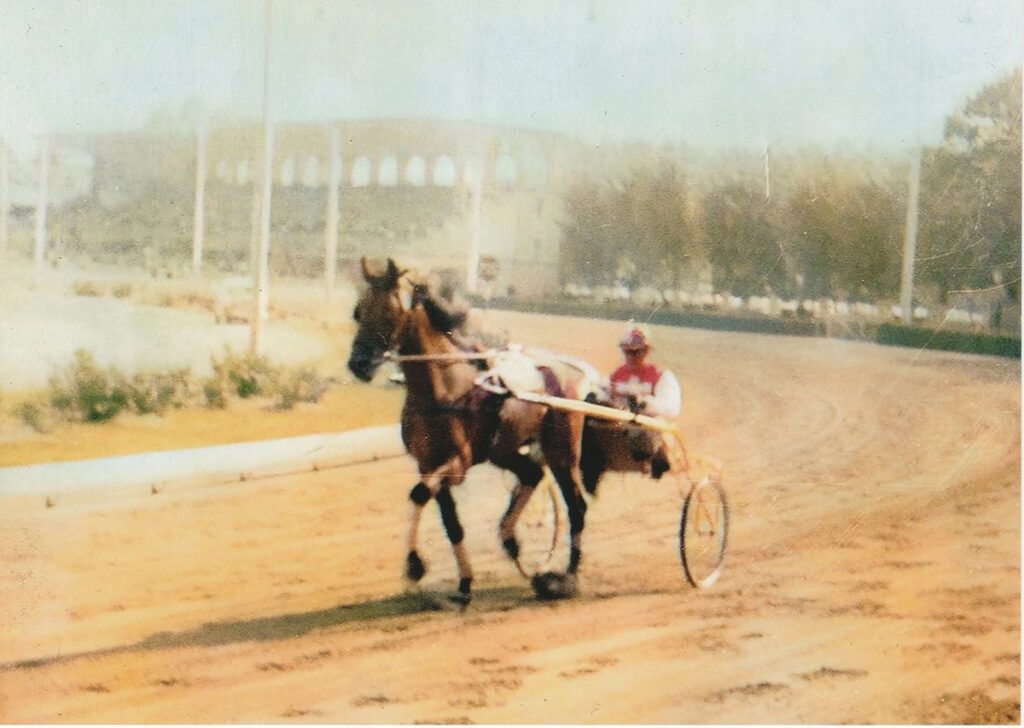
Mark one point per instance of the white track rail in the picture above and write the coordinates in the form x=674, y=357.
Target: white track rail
x=150, y=472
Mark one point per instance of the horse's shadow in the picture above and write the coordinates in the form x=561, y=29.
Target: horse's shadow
x=298, y=624
x=288, y=626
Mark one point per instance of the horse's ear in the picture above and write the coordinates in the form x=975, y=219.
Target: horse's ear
x=393, y=272
x=367, y=275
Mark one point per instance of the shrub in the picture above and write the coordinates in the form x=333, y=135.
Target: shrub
x=302, y=385
x=35, y=415
x=155, y=393
x=88, y=392
x=123, y=290
x=86, y=288
x=214, y=391
x=248, y=375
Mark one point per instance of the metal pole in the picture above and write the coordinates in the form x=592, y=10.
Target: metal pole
x=200, y=203
x=331, y=240
x=910, y=240
x=42, y=203
x=5, y=203
x=262, y=292
x=473, y=263
x=254, y=220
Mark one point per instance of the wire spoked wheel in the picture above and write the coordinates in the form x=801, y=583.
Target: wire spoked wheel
x=703, y=530
x=539, y=529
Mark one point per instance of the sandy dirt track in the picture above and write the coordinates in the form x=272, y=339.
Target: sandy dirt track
x=873, y=574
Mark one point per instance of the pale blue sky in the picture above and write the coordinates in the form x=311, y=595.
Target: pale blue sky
x=857, y=74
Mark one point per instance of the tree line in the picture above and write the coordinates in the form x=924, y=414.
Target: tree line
x=824, y=227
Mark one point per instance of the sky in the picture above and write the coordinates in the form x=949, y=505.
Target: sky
x=718, y=74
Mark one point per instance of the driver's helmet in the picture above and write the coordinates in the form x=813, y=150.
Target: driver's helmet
x=635, y=338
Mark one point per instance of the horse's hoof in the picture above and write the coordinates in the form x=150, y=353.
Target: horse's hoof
x=554, y=585
x=460, y=601
x=511, y=546
x=414, y=566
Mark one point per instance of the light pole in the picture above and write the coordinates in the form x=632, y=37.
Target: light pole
x=4, y=200
x=261, y=296
x=331, y=239
x=477, y=185
x=42, y=202
x=910, y=240
x=200, y=202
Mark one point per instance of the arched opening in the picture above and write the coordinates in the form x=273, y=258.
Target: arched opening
x=416, y=172
x=444, y=172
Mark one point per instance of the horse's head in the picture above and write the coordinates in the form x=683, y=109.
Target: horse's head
x=380, y=313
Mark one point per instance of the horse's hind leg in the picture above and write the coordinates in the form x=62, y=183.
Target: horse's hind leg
x=452, y=527
x=528, y=473
x=592, y=459
x=568, y=483
x=560, y=439
x=518, y=423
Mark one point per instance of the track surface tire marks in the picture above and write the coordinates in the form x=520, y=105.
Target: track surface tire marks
x=873, y=572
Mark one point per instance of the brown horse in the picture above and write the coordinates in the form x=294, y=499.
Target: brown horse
x=449, y=424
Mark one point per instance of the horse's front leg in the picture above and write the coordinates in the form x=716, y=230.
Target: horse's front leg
x=419, y=496
x=437, y=484
x=453, y=528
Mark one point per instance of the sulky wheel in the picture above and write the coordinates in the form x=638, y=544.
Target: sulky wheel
x=702, y=533
x=538, y=529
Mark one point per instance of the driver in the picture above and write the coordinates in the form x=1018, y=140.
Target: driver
x=640, y=385
x=644, y=388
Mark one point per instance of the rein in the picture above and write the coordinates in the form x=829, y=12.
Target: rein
x=448, y=356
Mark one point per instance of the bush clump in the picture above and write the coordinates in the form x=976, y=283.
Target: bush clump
x=86, y=392
x=248, y=375
x=215, y=392
x=156, y=393
x=35, y=414
x=86, y=288
x=303, y=385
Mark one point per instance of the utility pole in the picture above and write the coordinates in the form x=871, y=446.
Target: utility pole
x=477, y=183
x=200, y=203
x=5, y=204
x=254, y=217
x=42, y=202
x=910, y=240
x=331, y=235
x=261, y=297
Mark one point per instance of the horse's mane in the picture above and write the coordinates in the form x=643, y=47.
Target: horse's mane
x=445, y=316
